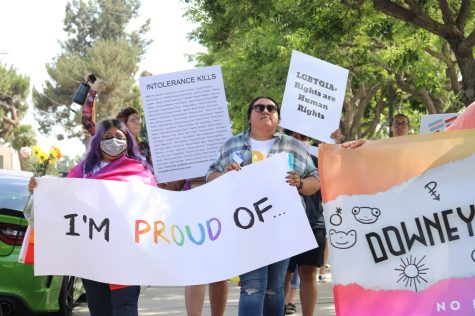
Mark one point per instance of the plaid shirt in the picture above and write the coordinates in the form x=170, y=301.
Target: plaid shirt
x=240, y=145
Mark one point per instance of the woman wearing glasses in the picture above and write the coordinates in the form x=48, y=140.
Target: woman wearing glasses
x=112, y=155
x=262, y=289
x=133, y=121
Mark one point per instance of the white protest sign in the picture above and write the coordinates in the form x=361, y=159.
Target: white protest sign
x=432, y=123
x=313, y=150
x=130, y=233
x=187, y=121
x=313, y=97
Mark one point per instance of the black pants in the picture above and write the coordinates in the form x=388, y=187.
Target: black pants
x=102, y=301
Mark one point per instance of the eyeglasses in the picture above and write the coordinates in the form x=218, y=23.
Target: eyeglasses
x=135, y=120
x=400, y=124
x=269, y=107
x=107, y=137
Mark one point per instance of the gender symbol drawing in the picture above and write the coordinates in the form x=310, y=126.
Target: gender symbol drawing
x=336, y=219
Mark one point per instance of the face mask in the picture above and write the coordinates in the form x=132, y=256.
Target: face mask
x=305, y=143
x=113, y=147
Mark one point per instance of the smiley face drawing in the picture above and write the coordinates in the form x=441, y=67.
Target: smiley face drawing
x=342, y=240
x=366, y=215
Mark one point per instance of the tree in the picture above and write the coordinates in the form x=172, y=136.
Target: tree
x=25, y=136
x=66, y=163
x=14, y=89
x=393, y=65
x=452, y=21
x=97, y=42
x=253, y=43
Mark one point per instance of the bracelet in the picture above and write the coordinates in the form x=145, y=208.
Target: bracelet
x=300, y=186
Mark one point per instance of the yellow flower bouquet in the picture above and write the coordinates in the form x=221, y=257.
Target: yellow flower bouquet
x=40, y=162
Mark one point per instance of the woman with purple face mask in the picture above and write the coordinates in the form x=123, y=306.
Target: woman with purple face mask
x=112, y=155
x=132, y=120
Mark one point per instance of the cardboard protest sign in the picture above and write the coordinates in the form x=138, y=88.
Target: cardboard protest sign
x=400, y=217
x=313, y=97
x=187, y=121
x=433, y=123
x=130, y=233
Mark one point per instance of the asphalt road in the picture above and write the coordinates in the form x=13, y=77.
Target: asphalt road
x=156, y=301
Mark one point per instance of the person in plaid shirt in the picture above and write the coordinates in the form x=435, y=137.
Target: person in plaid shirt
x=262, y=289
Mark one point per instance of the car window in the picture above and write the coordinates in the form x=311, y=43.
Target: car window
x=13, y=192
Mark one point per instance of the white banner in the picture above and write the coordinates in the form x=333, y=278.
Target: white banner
x=432, y=123
x=313, y=97
x=130, y=233
x=187, y=121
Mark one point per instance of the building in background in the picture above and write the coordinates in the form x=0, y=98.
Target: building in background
x=8, y=158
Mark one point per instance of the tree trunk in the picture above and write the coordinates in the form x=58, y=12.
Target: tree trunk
x=432, y=103
x=22, y=161
x=354, y=109
x=371, y=130
x=451, y=30
x=466, y=64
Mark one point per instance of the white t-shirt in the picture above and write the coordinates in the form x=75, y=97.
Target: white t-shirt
x=260, y=148
x=101, y=165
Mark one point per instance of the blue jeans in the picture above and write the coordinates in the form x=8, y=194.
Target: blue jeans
x=262, y=290
x=295, y=282
x=102, y=301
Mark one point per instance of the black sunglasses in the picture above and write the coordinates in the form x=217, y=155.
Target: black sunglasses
x=261, y=107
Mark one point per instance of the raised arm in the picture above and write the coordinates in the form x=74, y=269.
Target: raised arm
x=87, y=116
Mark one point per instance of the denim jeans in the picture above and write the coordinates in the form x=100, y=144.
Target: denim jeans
x=295, y=282
x=102, y=301
x=262, y=290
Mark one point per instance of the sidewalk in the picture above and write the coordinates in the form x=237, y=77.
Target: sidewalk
x=156, y=301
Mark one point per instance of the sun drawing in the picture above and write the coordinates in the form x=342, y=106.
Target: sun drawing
x=411, y=272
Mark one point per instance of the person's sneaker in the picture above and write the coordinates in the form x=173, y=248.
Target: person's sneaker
x=322, y=278
x=290, y=309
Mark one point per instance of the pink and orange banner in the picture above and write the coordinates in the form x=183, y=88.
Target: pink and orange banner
x=400, y=216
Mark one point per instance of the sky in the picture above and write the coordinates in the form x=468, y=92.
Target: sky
x=31, y=31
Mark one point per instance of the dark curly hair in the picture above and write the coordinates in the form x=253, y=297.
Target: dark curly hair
x=124, y=114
